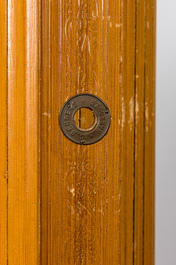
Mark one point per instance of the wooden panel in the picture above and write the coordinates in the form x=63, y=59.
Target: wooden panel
x=23, y=133
x=65, y=203
x=3, y=132
x=94, y=197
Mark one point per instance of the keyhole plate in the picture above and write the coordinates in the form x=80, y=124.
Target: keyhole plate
x=92, y=134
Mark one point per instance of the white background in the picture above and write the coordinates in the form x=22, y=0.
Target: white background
x=166, y=134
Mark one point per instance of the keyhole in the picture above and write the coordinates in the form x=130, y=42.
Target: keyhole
x=85, y=119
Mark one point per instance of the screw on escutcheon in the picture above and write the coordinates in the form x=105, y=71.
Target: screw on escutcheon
x=107, y=111
x=82, y=141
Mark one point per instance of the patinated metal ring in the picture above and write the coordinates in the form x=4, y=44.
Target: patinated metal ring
x=95, y=133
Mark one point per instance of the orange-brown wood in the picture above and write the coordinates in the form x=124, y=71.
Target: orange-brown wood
x=3, y=132
x=23, y=132
x=65, y=203
x=149, y=159
x=80, y=184
x=138, y=154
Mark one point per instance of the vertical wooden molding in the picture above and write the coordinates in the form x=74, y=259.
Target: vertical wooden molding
x=32, y=130
x=149, y=160
x=127, y=125
x=3, y=132
x=23, y=133
x=138, y=132
x=139, y=135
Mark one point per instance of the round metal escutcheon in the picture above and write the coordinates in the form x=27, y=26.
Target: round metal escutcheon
x=85, y=136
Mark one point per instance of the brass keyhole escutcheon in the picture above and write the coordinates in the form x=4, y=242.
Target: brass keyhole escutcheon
x=85, y=119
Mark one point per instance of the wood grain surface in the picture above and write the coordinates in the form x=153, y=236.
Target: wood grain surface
x=3, y=132
x=23, y=132
x=65, y=203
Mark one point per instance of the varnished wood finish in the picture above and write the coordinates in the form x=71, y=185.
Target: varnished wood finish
x=23, y=133
x=80, y=217
x=3, y=132
x=149, y=133
x=138, y=133
x=65, y=203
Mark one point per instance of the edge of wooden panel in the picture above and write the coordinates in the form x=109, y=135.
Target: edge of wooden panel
x=149, y=162
x=23, y=132
x=138, y=180
x=3, y=132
